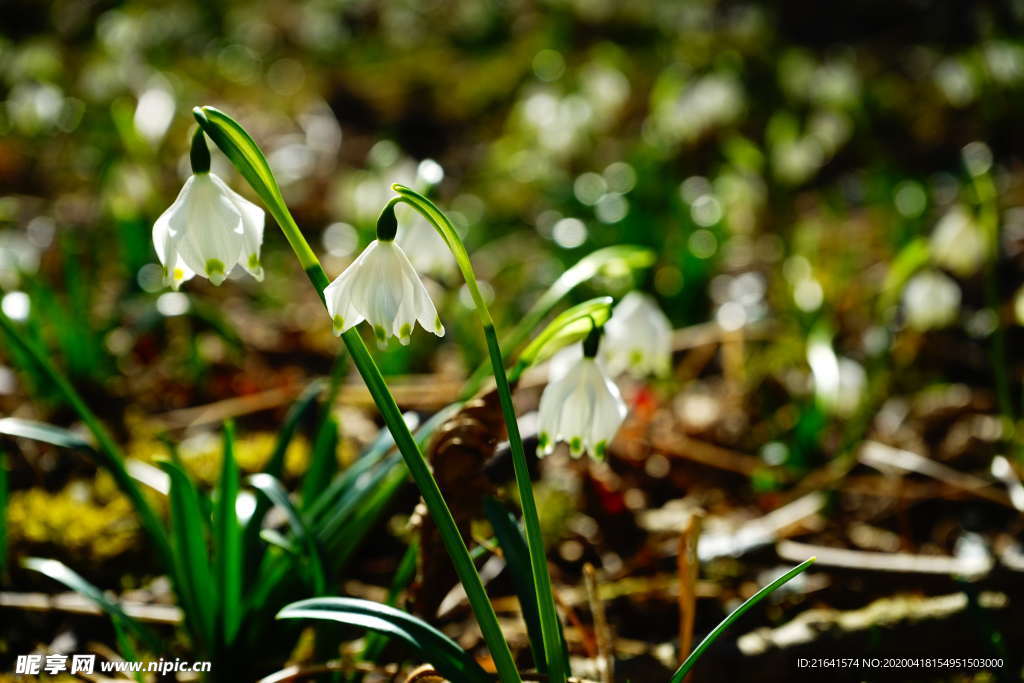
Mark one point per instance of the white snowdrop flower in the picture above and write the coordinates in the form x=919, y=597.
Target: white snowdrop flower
x=584, y=408
x=931, y=300
x=958, y=243
x=383, y=288
x=208, y=229
x=638, y=338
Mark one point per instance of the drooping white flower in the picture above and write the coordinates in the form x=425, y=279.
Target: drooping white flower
x=958, y=243
x=382, y=287
x=584, y=409
x=207, y=231
x=638, y=338
x=931, y=300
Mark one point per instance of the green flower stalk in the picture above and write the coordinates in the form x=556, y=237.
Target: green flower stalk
x=557, y=666
x=247, y=157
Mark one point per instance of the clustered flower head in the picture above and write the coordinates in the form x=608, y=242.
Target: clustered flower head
x=209, y=229
x=583, y=408
x=383, y=288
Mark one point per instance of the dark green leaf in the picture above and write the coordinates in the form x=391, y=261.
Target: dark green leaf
x=196, y=584
x=273, y=490
x=323, y=461
x=227, y=540
x=439, y=650
x=517, y=557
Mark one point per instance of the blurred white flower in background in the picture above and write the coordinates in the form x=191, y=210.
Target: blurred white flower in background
x=957, y=243
x=422, y=243
x=637, y=338
x=207, y=231
x=931, y=300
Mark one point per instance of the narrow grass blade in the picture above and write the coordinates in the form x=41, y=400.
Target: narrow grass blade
x=63, y=574
x=517, y=557
x=551, y=630
x=188, y=534
x=273, y=490
x=438, y=649
x=323, y=461
x=302, y=407
x=404, y=575
x=227, y=541
x=349, y=537
x=757, y=597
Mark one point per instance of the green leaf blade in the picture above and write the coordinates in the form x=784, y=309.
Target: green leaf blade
x=438, y=649
x=188, y=537
x=228, y=541
x=757, y=597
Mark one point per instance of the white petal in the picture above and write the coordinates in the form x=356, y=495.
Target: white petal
x=609, y=412
x=341, y=303
x=210, y=227
x=253, y=219
x=166, y=244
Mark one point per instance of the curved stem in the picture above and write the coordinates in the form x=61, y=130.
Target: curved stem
x=447, y=231
x=558, y=669
x=757, y=597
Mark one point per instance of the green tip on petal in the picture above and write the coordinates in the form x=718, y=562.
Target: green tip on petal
x=600, y=448
x=405, y=332
x=636, y=357
x=338, y=323
x=543, y=441
x=438, y=327
x=215, y=271
x=381, y=335
x=254, y=267
x=576, y=446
